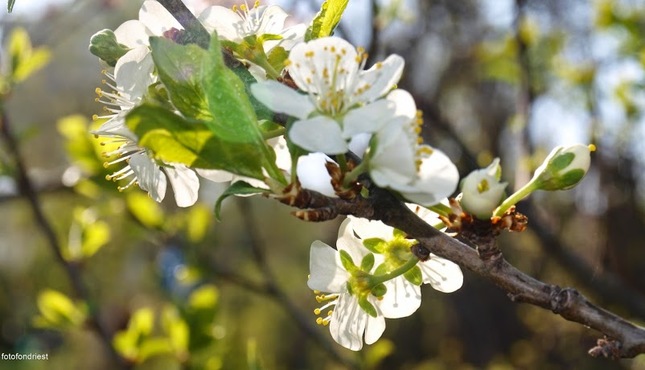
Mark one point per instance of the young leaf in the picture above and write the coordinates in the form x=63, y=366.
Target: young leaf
x=176, y=139
x=233, y=115
x=326, y=20
x=180, y=69
x=237, y=188
x=10, y=5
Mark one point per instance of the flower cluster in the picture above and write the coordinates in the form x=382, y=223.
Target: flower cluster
x=371, y=276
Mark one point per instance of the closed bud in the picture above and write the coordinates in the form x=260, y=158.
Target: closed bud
x=482, y=191
x=563, y=168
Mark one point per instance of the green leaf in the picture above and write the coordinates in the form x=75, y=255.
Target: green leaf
x=177, y=330
x=326, y=20
x=414, y=276
x=10, y=5
x=237, y=188
x=86, y=236
x=176, y=139
x=180, y=68
x=233, y=114
x=204, y=297
x=104, y=45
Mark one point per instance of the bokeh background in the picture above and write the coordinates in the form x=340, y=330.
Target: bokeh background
x=175, y=289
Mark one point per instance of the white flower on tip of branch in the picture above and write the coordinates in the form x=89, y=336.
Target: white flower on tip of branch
x=482, y=191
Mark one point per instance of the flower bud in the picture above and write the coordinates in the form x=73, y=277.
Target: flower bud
x=563, y=168
x=482, y=191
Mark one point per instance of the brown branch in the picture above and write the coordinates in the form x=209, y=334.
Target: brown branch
x=73, y=271
x=623, y=339
x=195, y=31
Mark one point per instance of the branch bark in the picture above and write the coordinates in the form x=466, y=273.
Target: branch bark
x=622, y=339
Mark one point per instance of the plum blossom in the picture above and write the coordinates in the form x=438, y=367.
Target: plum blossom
x=358, y=299
x=482, y=191
x=342, y=100
x=422, y=174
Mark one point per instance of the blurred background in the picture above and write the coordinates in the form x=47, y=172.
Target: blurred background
x=174, y=289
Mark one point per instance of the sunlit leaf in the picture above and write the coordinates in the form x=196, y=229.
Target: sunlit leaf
x=204, y=297
x=175, y=139
x=198, y=220
x=180, y=69
x=326, y=20
x=177, y=330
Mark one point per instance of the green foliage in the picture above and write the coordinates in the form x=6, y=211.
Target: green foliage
x=176, y=139
x=86, y=236
x=198, y=219
x=57, y=311
x=236, y=188
x=180, y=68
x=104, y=45
x=347, y=261
x=376, y=353
x=368, y=262
x=79, y=145
x=145, y=210
x=326, y=20
x=25, y=60
x=10, y=5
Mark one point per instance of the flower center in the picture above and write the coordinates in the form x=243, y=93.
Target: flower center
x=251, y=18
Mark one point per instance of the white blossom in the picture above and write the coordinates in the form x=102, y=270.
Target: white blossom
x=482, y=191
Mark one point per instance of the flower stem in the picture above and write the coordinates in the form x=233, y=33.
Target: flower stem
x=274, y=133
x=352, y=175
x=522, y=193
x=268, y=68
x=441, y=209
x=379, y=279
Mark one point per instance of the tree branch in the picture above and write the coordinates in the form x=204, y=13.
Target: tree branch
x=72, y=270
x=624, y=339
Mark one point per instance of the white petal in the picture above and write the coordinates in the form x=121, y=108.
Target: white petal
x=359, y=143
x=272, y=19
x=215, y=175
x=225, y=21
x=348, y=323
x=443, y=275
x=185, y=184
x=438, y=176
x=291, y=37
x=282, y=155
x=310, y=60
x=404, y=103
x=366, y=229
x=133, y=73
x=132, y=34
x=401, y=300
x=149, y=176
x=381, y=78
x=157, y=18
x=282, y=99
x=348, y=241
x=313, y=174
x=375, y=326
x=116, y=127
x=326, y=273
x=318, y=134
x=367, y=119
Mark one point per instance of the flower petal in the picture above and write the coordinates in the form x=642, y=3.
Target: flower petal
x=381, y=78
x=133, y=73
x=313, y=174
x=367, y=119
x=185, y=184
x=318, y=134
x=271, y=19
x=149, y=176
x=157, y=18
x=374, y=327
x=402, y=299
x=443, y=275
x=326, y=272
x=223, y=20
x=282, y=99
x=132, y=34
x=348, y=323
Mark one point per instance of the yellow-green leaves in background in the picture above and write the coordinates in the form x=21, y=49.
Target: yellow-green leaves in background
x=57, y=311
x=25, y=60
x=87, y=235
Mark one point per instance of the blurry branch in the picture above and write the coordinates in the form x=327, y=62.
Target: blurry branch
x=49, y=188
x=275, y=291
x=526, y=96
x=27, y=190
x=622, y=339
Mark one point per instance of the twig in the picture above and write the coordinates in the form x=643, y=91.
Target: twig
x=194, y=29
x=627, y=340
x=274, y=290
x=72, y=270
